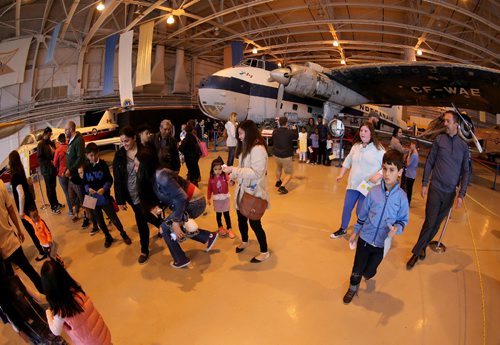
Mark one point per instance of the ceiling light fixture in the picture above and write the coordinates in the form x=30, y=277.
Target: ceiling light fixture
x=254, y=50
x=335, y=43
x=170, y=19
x=342, y=62
x=100, y=7
x=419, y=52
x=279, y=64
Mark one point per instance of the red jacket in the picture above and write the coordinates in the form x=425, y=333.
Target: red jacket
x=218, y=185
x=60, y=159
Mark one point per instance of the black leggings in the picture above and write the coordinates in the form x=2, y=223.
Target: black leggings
x=256, y=226
x=31, y=232
x=22, y=262
x=142, y=219
x=227, y=218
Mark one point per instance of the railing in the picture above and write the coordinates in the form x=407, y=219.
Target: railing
x=38, y=111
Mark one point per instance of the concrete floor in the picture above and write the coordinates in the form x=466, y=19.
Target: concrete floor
x=296, y=296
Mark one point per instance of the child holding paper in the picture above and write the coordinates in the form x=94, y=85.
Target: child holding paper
x=384, y=214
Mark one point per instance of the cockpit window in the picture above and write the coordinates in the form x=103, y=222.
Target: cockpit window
x=267, y=65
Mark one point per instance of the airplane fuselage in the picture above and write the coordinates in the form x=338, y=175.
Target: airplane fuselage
x=247, y=91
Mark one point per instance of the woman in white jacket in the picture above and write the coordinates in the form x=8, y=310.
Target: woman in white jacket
x=251, y=178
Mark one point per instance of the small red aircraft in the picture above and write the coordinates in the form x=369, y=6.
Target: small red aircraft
x=102, y=134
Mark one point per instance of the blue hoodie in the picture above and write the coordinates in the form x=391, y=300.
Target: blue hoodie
x=380, y=211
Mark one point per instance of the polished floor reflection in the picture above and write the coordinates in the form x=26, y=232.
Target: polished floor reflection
x=296, y=296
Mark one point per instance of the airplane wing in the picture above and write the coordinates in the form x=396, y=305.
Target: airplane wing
x=424, y=84
x=107, y=141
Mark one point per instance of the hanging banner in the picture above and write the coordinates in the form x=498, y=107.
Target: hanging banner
x=109, y=65
x=143, y=70
x=125, y=69
x=53, y=43
x=228, y=57
x=13, y=55
x=237, y=52
x=181, y=84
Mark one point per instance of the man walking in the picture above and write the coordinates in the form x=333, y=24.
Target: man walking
x=283, y=152
x=75, y=157
x=448, y=162
x=45, y=155
x=166, y=146
x=323, y=134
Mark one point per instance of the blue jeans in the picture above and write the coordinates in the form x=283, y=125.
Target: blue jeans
x=351, y=197
x=64, y=182
x=194, y=210
x=230, y=155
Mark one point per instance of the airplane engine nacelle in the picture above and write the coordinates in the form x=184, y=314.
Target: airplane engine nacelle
x=307, y=82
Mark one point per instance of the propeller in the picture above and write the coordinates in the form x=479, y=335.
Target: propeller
x=466, y=129
x=279, y=99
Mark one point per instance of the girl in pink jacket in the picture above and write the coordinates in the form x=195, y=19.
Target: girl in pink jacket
x=218, y=187
x=70, y=309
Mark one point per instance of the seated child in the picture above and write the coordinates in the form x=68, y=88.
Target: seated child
x=98, y=180
x=387, y=202
x=43, y=233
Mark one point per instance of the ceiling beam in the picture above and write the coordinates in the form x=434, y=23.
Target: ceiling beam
x=466, y=43
x=104, y=15
x=18, y=18
x=69, y=17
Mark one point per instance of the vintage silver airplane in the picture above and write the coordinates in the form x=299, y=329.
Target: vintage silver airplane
x=260, y=90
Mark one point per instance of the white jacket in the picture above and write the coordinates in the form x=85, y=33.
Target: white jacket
x=251, y=175
x=364, y=162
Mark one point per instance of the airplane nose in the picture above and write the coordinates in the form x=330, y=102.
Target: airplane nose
x=280, y=75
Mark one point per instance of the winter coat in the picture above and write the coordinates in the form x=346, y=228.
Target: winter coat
x=251, y=174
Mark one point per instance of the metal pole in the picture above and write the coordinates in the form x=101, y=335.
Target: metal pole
x=339, y=164
x=44, y=205
x=438, y=246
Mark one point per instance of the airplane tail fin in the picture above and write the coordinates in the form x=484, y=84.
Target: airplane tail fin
x=107, y=118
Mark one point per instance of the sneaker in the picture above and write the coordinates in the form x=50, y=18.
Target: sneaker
x=211, y=240
x=231, y=234
x=127, y=240
x=261, y=257
x=108, y=241
x=143, y=258
x=41, y=257
x=74, y=218
x=86, y=223
x=94, y=231
x=159, y=235
x=222, y=232
x=180, y=264
x=278, y=184
x=349, y=295
x=282, y=190
x=59, y=206
x=55, y=210
x=339, y=233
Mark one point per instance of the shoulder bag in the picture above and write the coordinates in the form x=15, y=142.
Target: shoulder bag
x=251, y=206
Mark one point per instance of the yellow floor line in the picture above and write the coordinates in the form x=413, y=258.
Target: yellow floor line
x=483, y=304
x=481, y=205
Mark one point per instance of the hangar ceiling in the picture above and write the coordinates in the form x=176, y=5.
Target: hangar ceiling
x=286, y=31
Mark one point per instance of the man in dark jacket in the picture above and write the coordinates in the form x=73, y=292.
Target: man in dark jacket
x=75, y=157
x=166, y=146
x=45, y=155
x=283, y=139
x=323, y=133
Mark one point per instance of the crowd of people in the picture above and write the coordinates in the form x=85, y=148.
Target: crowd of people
x=146, y=177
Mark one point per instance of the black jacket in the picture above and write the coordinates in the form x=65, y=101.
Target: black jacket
x=121, y=177
x=45, y=155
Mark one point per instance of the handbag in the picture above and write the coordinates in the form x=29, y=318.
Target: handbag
x=203, y=148
x=252, y=207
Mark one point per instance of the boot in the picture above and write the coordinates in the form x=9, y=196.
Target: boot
x=349, y=295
